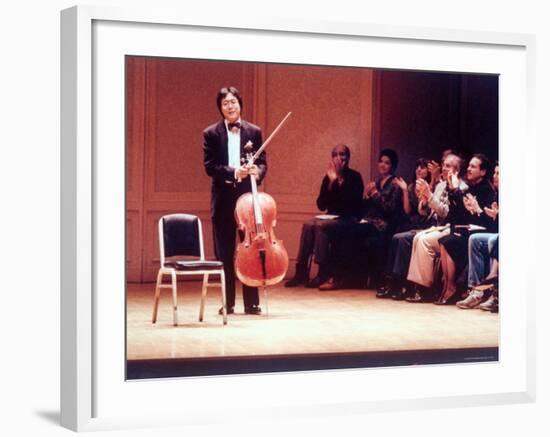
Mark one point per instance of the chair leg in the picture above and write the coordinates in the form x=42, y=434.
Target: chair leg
x=203, y=295
x=175, y=297
x=224, y=301
x=157, y=296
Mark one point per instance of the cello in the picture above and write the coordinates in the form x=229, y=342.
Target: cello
x=261, y=259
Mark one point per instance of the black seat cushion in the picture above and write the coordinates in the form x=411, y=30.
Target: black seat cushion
x=194, y=265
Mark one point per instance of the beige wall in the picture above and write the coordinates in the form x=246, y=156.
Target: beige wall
x=170, y=102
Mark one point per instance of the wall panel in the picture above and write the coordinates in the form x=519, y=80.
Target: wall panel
x=329, y=106
x=135, y=149
x=134, y=244
x=180, y=104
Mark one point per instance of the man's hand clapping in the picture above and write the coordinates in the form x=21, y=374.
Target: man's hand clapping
x=492, y=211
x=452, y=180
x=471, y=204
x=334, y=171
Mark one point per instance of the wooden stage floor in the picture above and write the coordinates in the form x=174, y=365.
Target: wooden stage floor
x=300, y=321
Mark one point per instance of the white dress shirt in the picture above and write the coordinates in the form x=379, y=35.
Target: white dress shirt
x=234, y=146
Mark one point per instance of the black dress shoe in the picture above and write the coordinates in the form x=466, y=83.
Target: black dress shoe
x=384, y=293
x=230, y=310
x=295, y=282
x=402, y=295
x=315, y=282
x=329, y=284
x=253, y=309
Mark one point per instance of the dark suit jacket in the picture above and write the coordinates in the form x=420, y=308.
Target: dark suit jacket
x=225, y=189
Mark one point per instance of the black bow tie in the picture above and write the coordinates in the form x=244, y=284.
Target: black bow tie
x=232, y=125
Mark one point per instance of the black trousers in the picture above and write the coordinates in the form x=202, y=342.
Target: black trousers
x=225, y=229
x=358, y=252
x=400, y=253
x=315, y=240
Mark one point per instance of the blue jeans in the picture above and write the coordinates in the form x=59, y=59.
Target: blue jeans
x=481, y=248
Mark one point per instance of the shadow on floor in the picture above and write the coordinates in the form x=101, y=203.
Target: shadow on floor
x=54, y=417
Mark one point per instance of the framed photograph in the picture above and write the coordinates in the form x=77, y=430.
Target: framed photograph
x=138, y=93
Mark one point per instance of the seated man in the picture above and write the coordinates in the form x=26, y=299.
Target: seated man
x=340, y=195
x=483, y=257
x=454, y=246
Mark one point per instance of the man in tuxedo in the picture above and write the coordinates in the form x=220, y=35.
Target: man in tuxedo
x=223, y=146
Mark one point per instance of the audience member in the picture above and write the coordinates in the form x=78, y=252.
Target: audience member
x=383, y=211
x=483, y=257
x=425, y=246
x=340, y=195
x=454, y=246
x=401, y=242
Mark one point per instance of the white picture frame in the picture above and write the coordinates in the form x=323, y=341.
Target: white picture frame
x=93, y=395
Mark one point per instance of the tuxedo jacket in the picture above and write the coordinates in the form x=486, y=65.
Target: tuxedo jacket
x=225, y=189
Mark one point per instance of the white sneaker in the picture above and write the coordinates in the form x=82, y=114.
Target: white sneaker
x=474, y=299
x=489, y=304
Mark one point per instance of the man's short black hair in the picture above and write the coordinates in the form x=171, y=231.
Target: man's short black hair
x=483, y=161
x=224, y=92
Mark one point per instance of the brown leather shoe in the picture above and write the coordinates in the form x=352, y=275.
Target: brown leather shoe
x=330, y=284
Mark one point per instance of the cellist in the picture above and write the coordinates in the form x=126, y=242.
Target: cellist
x=223, y=148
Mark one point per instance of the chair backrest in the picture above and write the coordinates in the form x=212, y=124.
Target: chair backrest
x=180, y=235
